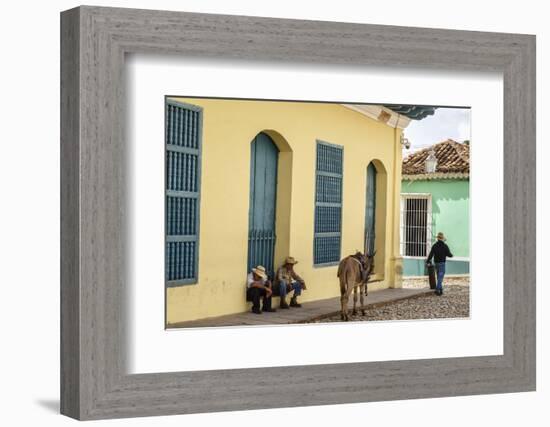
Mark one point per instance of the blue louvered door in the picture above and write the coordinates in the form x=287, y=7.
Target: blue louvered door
x=370, y=214
x=263, y=193
x=183, y=165
x=328, y=204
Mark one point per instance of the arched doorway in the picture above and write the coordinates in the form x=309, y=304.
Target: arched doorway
x=370, y=214
x=377, y=199
x=264, y=156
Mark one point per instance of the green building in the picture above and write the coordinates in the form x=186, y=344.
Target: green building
x=433, y=202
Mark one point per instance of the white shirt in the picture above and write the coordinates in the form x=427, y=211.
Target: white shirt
x=250, y=280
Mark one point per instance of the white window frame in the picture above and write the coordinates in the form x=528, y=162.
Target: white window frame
x=404, y=197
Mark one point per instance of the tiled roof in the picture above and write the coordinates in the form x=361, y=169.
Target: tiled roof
x=414, y=112
x=452, y=158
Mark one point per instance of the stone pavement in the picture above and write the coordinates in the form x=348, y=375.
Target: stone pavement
x=310, y=311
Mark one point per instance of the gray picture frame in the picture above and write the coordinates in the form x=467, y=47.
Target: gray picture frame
x=94, y=41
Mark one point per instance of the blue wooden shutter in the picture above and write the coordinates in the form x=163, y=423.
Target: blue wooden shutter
x=370, y=214
x=328, y=204
x=183, y=166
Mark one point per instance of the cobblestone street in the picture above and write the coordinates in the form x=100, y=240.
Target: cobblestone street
x=454, y=303
x=414, y=301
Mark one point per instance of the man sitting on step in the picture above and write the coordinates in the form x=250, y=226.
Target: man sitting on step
x=287, y=280
x=258, y=286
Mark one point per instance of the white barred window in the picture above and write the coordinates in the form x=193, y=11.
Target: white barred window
x=416, y=225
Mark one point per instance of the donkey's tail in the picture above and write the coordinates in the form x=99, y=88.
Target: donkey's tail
x=340, y=268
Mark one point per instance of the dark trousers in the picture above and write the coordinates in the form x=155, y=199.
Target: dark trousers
x=254, y=295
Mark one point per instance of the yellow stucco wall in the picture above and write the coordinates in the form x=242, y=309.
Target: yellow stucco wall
x=229, y=126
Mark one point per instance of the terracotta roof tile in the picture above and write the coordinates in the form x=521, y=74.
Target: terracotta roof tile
x=452, y=157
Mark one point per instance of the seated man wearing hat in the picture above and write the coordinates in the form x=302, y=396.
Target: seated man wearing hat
x=287, y=280
x=258, y=285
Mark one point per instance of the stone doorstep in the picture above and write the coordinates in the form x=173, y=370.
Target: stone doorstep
x=309, y=312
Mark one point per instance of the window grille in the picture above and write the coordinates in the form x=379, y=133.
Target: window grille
x=183, y=158
x=328, y=204
x=416, y=225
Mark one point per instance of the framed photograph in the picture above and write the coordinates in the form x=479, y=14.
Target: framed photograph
x=245, y=196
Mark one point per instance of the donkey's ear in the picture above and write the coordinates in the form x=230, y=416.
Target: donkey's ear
x=372, y=256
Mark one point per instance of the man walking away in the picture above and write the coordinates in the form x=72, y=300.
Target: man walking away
x=287, y=280
x=440, y=251
x=258, y=285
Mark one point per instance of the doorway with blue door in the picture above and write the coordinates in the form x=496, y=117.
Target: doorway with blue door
x=264, y=159
x=370, y=214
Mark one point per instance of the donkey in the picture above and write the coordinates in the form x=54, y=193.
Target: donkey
x=354, y=272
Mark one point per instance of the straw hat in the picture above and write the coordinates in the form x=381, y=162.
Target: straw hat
x=260, y=271
x=441, y=236
x=290, y=260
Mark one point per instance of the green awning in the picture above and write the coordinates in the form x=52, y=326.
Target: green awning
x=414, y=112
